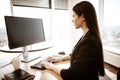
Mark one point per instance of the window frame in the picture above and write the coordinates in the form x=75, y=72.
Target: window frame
x=31, y=4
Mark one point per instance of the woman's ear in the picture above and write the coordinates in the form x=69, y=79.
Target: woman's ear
x=83, y=18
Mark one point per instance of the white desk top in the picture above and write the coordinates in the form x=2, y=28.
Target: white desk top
x=39, y=74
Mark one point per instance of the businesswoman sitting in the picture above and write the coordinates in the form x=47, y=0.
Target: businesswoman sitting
x=86, y=59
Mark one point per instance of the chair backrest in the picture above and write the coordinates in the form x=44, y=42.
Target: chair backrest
x=118, y=74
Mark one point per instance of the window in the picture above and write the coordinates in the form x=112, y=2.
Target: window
x=111, y=25
x=61, y=4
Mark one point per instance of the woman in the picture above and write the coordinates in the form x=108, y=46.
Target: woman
x=86, y=60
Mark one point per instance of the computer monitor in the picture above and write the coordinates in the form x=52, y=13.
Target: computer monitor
x=23, y=31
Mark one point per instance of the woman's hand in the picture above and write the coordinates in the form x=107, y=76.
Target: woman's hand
x=54, y=59
x=51, y=67
x=47, y=65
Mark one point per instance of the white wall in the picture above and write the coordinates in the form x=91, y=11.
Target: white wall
x=5, y=9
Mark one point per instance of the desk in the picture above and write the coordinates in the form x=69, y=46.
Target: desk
x=39, y=74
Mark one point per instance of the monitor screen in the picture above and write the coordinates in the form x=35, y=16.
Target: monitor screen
x=23, y=31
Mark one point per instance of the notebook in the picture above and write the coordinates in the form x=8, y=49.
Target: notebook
x=19, y=74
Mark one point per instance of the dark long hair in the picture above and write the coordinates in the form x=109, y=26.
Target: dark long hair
x=86, y=9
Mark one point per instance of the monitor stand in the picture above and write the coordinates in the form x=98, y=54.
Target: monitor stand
x=26, y=56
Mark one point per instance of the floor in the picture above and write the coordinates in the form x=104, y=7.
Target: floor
x=111, y=72
x=111, y=68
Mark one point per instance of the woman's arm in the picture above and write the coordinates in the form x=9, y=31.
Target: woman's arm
x=59, y=59
x=66, y=57
x=52, y=67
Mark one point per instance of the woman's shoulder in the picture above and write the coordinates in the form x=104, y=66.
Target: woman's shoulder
x=91, y=39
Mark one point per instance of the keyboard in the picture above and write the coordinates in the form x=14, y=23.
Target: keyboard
x=38, y=65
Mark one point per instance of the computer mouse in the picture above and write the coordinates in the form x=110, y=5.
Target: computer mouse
x=61, y=53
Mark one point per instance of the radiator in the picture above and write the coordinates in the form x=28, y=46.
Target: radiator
x=112, y=58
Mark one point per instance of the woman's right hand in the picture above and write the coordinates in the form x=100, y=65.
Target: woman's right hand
x=54, y=59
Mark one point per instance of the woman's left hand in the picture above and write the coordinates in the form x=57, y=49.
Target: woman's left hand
x=51, y=67
x=47, y=64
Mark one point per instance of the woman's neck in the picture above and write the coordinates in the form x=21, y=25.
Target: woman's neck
x=85, y=29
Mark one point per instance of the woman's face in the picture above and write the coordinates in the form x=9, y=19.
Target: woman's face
x=77, y=20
